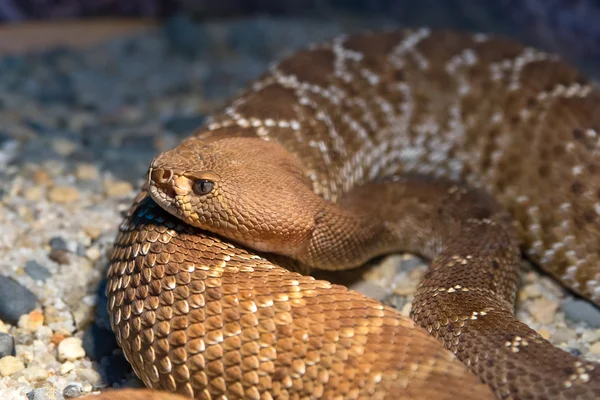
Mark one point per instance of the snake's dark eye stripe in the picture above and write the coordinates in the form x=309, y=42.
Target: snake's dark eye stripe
x=203, y=186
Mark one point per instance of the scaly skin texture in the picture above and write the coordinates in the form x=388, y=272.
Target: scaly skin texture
x=348, y=150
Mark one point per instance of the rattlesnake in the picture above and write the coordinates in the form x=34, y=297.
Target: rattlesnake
x=367, y=144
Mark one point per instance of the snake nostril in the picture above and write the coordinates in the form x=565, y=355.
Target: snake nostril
x=161, y=175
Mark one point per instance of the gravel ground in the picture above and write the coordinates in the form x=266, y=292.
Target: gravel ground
x=77, y=131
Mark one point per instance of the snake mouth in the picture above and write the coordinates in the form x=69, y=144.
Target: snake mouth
x=162, y=190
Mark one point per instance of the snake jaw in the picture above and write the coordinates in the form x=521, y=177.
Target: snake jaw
x=164, y=186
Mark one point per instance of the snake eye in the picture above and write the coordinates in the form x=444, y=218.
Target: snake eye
x=203, y=186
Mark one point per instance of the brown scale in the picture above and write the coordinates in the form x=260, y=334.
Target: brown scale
x=371, y=144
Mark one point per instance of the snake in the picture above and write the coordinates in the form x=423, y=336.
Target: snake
x=468, y=149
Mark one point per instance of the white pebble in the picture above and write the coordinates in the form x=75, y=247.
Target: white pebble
x=70, y=349
x=10, y=365
x=66, y=367
x=34, y=373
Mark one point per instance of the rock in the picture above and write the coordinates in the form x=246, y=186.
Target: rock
x=369, y=289
x=563, y=335
x=93, y=253
x=10, y=365
x=117, y=188
x=73, y=390
x=58, y=243
x=543, y=310
x=575, y=352
x=82, y=315
x=41, y=177
x=70, y=349
x=67, y=367
x=15, y=300
x=44, y=357
x=37, y=271
x=89, y=375
x=31, y=322
x=53, y=315
x=595, y=348
x=63, y=194
x=531, y=291
x=580, y=310
x=590, y=336
x=63, y=147
x=545, y=333
x=34, y=373
x=86, y=172
x=406, y=310
x=59, y=336
x=59, y=256
x=45, y=393
x=34, y=193
x=7, y=345
x=92, y=232
x=44, y=333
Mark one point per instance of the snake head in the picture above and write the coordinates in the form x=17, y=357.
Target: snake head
x=246, y=189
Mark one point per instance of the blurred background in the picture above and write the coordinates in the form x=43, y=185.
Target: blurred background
x=569, y=27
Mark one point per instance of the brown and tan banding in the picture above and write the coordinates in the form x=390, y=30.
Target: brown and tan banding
x=465, y=148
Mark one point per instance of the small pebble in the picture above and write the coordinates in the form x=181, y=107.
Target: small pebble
x=45, y=357
x=70, y=349
x=10, y=365
x=89, y=375
x=595, y=348
x=34, y=193
x=86, y=172
x=59, y=256
x=93, y=253
x=37, y=271
x=82, y=315
x=563, y=335
x=53, y=315
x=31, y=322
x=579, y=310
x=15, y=300
x=7, y=345
x=63, y=147
x=92, y=232
x=73, y=390
x=369, y=289
x=34, y=373
x=41, y=177
x=45, y=394
x=531, y=291
x=58, y=243
x=545, y=333
x=67, y=367
x=543, y=310
x=59, y=336
x=44, y=333
x=114, y=188
x=406, y=310
x=405, y=288
x=63, y=194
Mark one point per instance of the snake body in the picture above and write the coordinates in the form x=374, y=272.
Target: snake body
x=465, y=148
